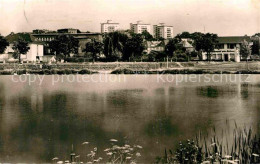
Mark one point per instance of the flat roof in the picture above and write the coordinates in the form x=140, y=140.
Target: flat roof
x=233, y=39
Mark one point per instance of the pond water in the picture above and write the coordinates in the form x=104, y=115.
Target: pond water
x=42, y=119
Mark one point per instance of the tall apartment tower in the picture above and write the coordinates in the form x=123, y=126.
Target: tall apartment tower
x=138, y=28
x=163, y=31
x=109, y=27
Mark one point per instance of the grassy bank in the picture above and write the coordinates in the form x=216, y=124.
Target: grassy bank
x=182, y=71
x=46, y=71
x=134, y=68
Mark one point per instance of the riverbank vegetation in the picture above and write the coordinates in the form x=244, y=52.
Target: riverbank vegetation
x=46, y=71
x=133, y=68
x=242, y=146
x=116, y=153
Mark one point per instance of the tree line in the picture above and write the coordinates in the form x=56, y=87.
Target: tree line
x=119, y=46
x=127, y=46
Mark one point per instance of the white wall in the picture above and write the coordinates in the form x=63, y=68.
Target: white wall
x=35, y=49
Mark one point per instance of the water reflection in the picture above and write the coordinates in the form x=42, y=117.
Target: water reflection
x=40, y=122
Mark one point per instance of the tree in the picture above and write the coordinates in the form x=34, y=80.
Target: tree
x=156, y=56
x=147, y=36
x=134, y=47
x=170, y=47
x=245, y=49
x=63, y=46
x=256, y=47
x=209, y=42
x=94, y=47
x=205, y=42
x=198, y=42
x=114, y=44
x=20, y=47
x=3, y=44
x=180, y=55
x=256, y=35
x=184, y=34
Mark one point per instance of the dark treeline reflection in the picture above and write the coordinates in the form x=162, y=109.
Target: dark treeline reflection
x=38, y=123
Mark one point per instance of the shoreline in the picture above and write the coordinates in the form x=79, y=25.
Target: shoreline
x=123, y=71
x=133, y=68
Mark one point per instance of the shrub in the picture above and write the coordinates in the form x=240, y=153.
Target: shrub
x=67, y=71
x=84, y=71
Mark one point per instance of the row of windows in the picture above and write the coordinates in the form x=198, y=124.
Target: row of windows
x=45, y=39
x=229, y=46
x=220, y=56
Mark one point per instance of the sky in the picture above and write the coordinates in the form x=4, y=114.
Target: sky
x=224, y=17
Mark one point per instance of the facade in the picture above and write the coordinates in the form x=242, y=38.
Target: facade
x=163, y=31
x=228, y=48
x=138, y=28
x=83, y=38
x=34, y=54
x=187, y=44
x=158, y=46
x=109, y=27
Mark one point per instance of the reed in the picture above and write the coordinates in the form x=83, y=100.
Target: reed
x=241, y=146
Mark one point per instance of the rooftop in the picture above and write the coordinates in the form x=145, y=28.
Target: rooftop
x=233, y=39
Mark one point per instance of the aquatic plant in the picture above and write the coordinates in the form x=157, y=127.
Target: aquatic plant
x=122, y=154
x=115, y=154
x=244, y=147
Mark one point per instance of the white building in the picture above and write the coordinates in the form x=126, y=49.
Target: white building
x=109, y=27
x=138, y=28
x=34, y=54
x=163, y=31
x=228, y=48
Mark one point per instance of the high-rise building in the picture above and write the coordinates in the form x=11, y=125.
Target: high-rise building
x=138, y=28
x=163, y=31
x=109, y=27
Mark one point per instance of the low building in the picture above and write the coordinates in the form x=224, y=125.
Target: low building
x=138, y=28
x=186, y=43
x=34, y=54
x=158, y=46
x=228, y=48
x=82, y=37
x=109, y=27
x=163, y=31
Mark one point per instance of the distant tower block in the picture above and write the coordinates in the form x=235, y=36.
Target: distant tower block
x=109, y=27
x=139, y=27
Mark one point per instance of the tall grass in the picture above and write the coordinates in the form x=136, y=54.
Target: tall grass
x=241, y=146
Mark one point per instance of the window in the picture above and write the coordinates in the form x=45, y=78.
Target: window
x=231, y=46
x=220, y=46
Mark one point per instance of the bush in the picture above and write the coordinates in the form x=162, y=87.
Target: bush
x=68, y=71
x=6, y=72
x=75, y=59
x=123, y=71
x=21, y=71
x=84, y=71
